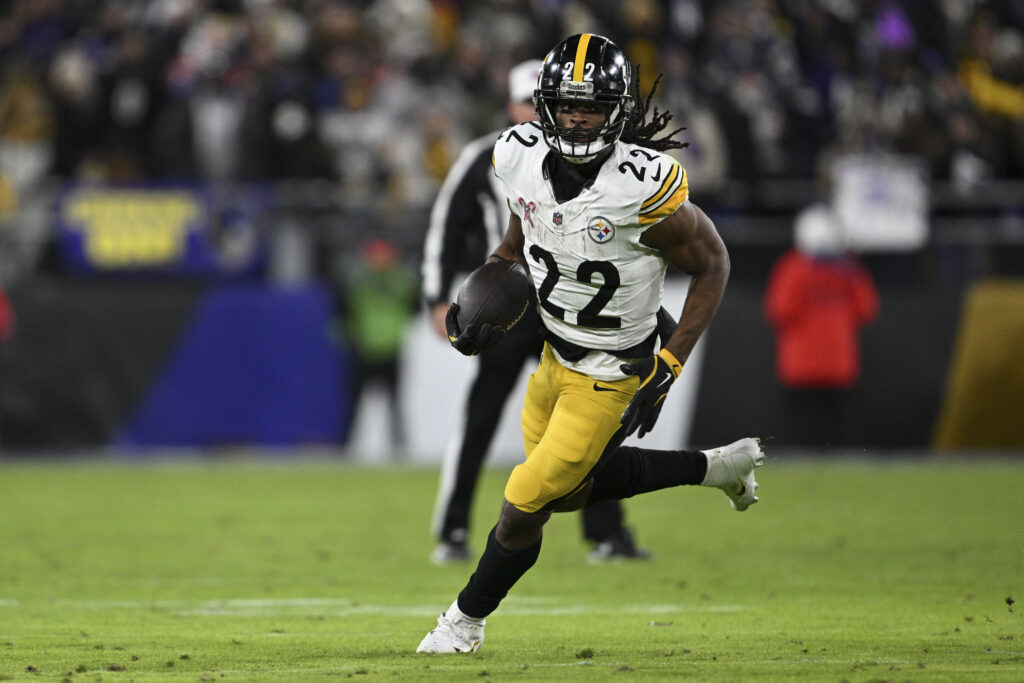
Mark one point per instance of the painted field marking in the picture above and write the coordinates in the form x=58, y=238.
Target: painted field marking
x=348, y=607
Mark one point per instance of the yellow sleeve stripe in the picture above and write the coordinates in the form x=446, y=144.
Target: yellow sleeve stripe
x=663, y=190
x=668, y=206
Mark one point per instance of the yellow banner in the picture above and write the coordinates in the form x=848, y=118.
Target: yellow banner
x=132, y=228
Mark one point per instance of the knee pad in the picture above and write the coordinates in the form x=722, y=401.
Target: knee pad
x=524, y=489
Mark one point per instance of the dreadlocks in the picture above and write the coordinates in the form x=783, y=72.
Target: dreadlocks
x=641, y=132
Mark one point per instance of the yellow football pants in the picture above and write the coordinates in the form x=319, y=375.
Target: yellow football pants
x=569, y=421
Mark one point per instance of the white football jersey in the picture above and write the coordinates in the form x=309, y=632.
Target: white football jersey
x=598, y=286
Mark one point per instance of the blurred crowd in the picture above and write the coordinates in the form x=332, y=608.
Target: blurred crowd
x=377, y=96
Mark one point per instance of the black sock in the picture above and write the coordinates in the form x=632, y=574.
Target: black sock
x=496, y=573
x=633, y=470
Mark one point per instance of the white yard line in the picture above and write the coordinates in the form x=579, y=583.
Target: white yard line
x=347, y=607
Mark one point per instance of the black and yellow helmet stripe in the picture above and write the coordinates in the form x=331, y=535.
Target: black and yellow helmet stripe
x=581, y=57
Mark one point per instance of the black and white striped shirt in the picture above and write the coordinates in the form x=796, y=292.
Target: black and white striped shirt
x=467, y=222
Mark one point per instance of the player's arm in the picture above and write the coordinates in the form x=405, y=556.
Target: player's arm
x=689, y=241
x=511, y=248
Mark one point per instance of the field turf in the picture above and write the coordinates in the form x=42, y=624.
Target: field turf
x=304, y=568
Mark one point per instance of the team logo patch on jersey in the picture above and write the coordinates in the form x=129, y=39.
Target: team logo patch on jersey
x=600, y=229
x=557, y=218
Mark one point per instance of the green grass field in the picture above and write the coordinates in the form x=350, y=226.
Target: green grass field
x=310, y=569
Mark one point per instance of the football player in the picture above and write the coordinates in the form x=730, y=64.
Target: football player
x=598, y=213
x=471, y=206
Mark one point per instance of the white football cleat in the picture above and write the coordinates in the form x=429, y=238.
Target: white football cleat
x=731, y=468
x=455, y=632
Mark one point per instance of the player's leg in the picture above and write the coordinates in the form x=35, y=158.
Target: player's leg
x=460, y=628
x=565, y=441
x=497, y=372
x=565, y=433
x=626, y=471
x=630, y=471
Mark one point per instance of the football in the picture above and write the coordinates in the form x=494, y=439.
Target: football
x=497, y=293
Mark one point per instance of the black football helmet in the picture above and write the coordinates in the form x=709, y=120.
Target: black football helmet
x=590, y=68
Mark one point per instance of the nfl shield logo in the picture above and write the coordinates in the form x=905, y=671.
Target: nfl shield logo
x=557, y=218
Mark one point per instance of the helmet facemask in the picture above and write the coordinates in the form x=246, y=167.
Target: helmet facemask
x=580, y=145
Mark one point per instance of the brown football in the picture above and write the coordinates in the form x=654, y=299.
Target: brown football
x=497, y=293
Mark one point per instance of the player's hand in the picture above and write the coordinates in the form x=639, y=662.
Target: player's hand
x=656, y=373
x=473, y=339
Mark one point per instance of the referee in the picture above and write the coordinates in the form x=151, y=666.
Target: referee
x=467, y=222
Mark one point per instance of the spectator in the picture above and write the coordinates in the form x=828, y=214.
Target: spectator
x=782, y=79
x=379, y=95
x=26, y=128
x=132, y=91
x=818, y=297
x=74, y=91
x=707, y=155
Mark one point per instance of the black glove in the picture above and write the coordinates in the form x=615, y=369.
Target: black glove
x=656, y=375
x=473, y=339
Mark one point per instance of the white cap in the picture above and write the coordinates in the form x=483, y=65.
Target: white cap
x=817, y=231
x=522, y=80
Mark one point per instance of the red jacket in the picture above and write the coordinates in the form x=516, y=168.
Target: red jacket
x=817, y=307
x=6, y=317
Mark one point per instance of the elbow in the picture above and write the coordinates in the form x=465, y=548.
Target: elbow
x=722, y=265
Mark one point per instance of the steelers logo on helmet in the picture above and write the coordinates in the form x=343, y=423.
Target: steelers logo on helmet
x=601, y=230
x=584, y=68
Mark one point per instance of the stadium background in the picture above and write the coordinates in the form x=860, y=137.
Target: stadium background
x=178, y=179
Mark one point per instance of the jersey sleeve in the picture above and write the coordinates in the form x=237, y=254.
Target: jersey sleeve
x=501, y=165
x=666, y=196
x=505, y=188
x=510, y=151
